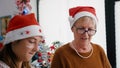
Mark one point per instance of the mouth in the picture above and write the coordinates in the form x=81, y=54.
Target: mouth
x=31, y=54
x=84, y=38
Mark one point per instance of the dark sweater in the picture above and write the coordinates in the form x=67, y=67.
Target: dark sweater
x=66, y=57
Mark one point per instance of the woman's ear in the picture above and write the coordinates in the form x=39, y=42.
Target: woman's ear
x=13, y=43
x=72, y=29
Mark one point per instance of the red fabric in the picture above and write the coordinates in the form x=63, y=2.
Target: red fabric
x=75, y=10
x=1, y=45
x=20, y=21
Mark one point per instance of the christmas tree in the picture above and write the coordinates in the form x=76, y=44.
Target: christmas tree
x=43, y=57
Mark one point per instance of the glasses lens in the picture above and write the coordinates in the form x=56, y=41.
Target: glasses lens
x=80, y=30
x=83, y=30
x=91, y=32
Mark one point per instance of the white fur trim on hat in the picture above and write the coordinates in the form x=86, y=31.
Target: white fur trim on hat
x=21, y=33
x=79, y=15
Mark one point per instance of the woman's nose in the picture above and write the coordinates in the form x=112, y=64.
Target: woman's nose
x=36, y=47
x=86, y=33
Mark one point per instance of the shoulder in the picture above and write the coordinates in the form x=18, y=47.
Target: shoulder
x=3, y=65
x=63, y=47
x=98, y=48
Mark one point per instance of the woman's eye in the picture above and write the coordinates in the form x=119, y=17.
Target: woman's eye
x=91, y=29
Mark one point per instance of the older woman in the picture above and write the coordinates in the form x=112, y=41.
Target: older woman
x=81, y=52
x=21, y=42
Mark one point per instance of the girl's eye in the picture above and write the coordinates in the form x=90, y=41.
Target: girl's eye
x=32, y=41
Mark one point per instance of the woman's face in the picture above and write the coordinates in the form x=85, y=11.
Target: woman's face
x=83, y=29
x=26, y=48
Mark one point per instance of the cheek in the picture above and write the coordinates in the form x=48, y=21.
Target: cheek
x=29, y=46
x=25, y=55
x=26, y=48
x=90, y=38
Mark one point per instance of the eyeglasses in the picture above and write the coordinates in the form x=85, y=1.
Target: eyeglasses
x=82, y=30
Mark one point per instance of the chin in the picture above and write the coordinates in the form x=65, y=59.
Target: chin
x=27, y=58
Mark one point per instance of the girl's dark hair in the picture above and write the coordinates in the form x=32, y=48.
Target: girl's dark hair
x=9, y=57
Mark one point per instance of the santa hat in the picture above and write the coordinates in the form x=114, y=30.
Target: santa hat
x=22, y=26
x=81, y=11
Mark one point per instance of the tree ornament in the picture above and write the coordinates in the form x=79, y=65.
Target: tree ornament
x=23, y=7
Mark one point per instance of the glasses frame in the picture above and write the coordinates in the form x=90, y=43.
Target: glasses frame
x=82, y=30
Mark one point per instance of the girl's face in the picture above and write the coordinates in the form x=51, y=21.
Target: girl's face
x=26, y=48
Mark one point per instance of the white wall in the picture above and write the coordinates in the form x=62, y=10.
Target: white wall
x=117, y=27
x=54, y=19
x=34, y=7
x=7, y=7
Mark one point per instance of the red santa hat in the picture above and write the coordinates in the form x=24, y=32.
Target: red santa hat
x=81, y=11
x=22, y=26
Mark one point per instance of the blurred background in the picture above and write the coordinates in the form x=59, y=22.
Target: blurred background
x=52, y=15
